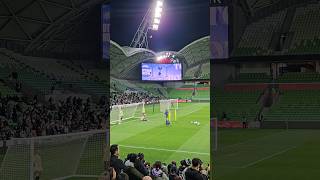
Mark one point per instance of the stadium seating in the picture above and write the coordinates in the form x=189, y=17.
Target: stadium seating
x=296, y=105
x=258, y=4
x=294, y=77
x=306, y=25
x=236, y=104
x=252, y=78
x=187, y=94
x=7, y=91
x=258, y=35
x=190, y=73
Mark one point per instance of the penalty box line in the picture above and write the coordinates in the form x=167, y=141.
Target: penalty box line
x=259, y=160
x=269, y=157
x=167, y=150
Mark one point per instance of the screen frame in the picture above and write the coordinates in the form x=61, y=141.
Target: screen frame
x=181, y=73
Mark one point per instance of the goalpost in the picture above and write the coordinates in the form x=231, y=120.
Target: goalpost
x=170, y=105
x=62, y=156
x=120, y=113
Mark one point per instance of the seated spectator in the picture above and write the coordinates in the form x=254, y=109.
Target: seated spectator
x=157, y=172
x=184, y=164
x=195, y=172
x=140, y=165
x=132, y=172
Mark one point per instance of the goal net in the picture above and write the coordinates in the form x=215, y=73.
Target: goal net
x=57, y=156
x=168, y=104
x=125, y=112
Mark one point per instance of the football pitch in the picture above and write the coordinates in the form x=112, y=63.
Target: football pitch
x=267, y=154
x=179, y=141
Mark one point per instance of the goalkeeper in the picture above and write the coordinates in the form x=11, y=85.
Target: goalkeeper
x=166, y=114
x=144, y=117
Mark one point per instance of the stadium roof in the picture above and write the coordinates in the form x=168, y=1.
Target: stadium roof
x=125, y=58
x=43, y=25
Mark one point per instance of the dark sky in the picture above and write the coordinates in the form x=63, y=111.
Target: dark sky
x=182, y=22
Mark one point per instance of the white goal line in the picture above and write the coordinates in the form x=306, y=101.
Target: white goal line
x=167, y=150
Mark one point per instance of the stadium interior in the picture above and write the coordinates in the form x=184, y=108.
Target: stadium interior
x=264, y=103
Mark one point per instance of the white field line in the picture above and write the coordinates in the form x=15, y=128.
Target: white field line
x=268, y=157
x=154, y=115
x=167, y=150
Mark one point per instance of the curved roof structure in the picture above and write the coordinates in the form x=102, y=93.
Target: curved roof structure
x=123, y=59
x=197, y=51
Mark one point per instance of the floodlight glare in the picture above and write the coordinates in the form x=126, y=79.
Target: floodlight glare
x=157, y=15
x=159, y=3
x=158, y=9
x=156, y=21
x=155, y=27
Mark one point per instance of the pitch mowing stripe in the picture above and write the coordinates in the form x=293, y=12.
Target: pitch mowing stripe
x=269, y=157
x=167, y=150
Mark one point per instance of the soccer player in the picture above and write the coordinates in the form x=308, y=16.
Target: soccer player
x=166, y=114
x=120, y=115
x=37, y=165
x=143, y=117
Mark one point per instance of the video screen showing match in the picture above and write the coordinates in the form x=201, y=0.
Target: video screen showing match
x=161, y=72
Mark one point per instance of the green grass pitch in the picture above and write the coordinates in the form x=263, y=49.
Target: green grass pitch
x=267, y=154
x=179, y=141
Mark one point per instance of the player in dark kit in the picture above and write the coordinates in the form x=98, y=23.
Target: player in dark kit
x=166, y=113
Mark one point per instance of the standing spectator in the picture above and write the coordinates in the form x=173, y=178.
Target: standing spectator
x=117, y=163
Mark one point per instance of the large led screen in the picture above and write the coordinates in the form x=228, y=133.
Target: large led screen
x=161, y=72
x=219, y=32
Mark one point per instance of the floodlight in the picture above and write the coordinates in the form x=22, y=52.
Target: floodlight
x=159, y=3
x=156, y=21
x=157, y=14
x=155, y=27
x=158, y=9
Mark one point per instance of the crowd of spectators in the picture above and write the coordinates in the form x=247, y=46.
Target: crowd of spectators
x=129, y=97
x=21, y=117
x=135, y=167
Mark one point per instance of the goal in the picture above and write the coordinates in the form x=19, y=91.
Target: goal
x=125, y=112
x=168, y=104
x=62, y=156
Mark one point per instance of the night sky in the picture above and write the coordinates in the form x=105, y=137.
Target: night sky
x=182, y=22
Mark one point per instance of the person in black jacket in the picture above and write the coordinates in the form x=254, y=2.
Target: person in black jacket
x=195, y=172
x=140, y=165
x=117, y=163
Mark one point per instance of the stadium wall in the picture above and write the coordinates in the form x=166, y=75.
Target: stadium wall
x=255, y=68
x=221, y=73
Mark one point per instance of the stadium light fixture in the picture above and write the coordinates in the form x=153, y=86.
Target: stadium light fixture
x=155, y=27
x=156, y=21
x=159, y=3
x=157, y=15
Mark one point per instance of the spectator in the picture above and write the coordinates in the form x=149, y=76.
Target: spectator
x=195, y=172
x=140, y=165
x=132, y=172
x=117, y=163
x=157, y=172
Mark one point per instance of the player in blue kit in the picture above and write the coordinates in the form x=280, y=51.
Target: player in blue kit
x=166, y=114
